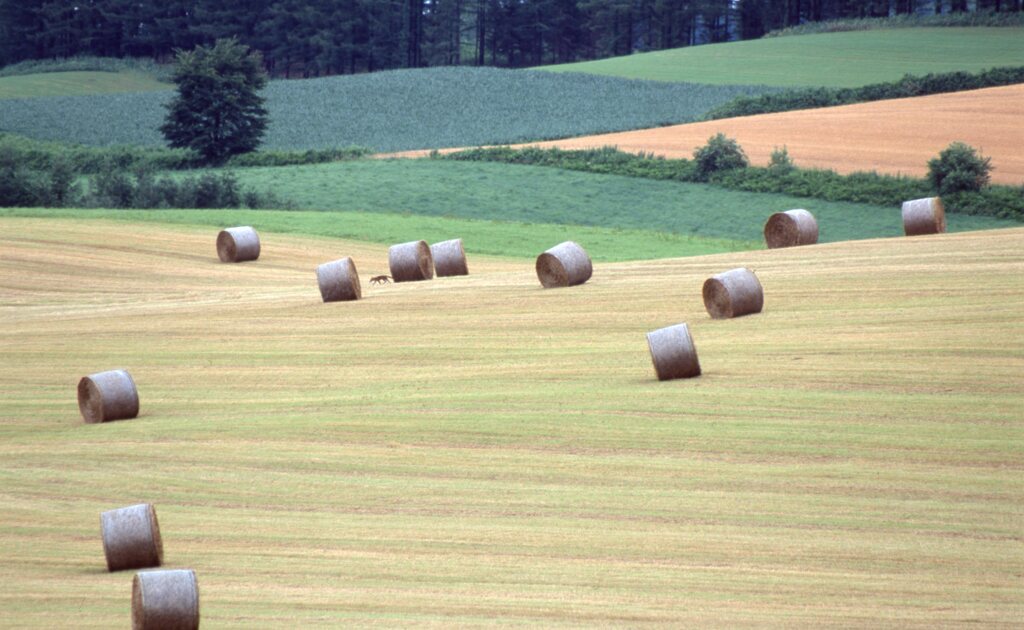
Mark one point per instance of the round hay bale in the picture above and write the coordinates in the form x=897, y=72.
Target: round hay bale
x=339, y=281
x=238, y=244
x=107, y=396
x=673, y=353
x=449, y=258
x=733, y=293
x=791, y=228
x=924, y=216
x=131, y=538
x=164, y=600
x=411, y=261
x=564, y=265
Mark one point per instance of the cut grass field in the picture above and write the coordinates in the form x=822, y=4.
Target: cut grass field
x=393, y=111
x=832, y=59
x=533, y=194
x=501, y=238
x=478, y=451
x=77, y=83
x=896, y=137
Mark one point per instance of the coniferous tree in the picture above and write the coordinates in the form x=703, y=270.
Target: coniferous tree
x=218, y=111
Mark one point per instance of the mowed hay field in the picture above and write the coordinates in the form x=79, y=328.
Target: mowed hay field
x=896, y=136
x=479, y=451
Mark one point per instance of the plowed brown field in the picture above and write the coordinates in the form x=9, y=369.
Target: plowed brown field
x=895, y=136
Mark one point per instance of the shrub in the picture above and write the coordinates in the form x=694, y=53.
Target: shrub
x=958, y=168
x=719, y=154
x=780, y=163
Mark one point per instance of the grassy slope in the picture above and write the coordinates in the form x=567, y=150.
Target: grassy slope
x=832, y=59
x=77, y=83
x=393, y=111
x=543, y=195
x=522, y=240
x=479, y=451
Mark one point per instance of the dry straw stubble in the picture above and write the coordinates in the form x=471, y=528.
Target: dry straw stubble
x=673, y=353
x=564, y=265
x=107, y=396
x=410, y=261
x=733, y=293
x=238, y=244
x=131, y=538
x=791, y=228
x=339, y=281
x=449, y=258
x=924, y=216
x=165, y=600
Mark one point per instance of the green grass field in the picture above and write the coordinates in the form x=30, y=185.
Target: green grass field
x=528, y=194
x=77, y=83
x=832, y=60
x=392, y=111
x=493, y=237
x=481, y=452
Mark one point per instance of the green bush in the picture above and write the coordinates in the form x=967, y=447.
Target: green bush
x=959, y=168
x=815, y=97
x=719, y=154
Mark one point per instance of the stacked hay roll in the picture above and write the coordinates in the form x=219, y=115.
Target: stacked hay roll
x=791, y=228
x=238, y=244
x=733, y=293
x=564, y=265
x=673, y=353
x=449, y=258
x=924, y=216
x=339, y=281
x=165, y=599
x=107, y=396
x=131, y=538
x=410, y=261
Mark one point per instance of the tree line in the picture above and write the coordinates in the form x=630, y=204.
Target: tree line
x=302, y=38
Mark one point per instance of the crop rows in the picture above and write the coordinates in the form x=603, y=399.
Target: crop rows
x=394, y=111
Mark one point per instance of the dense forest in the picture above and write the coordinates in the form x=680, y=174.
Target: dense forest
x=320, y=37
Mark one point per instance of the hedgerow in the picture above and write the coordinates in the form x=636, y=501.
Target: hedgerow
x=885, y=190
x=908, y=86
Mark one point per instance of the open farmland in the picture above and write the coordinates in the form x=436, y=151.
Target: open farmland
x=848, y=59
x=393, y=111
x=897, y=136
x=535, y=194
x=478, y=451
x=77, y=83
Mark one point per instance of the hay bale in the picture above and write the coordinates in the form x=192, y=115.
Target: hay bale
x=791, y=228
x=564, y=265
x=449, y=258
x=339, y=281
x=411, y=261
x=673, y=353
x=733, y=293
x=238, y=244
x=924, y=216
x=165, y=600
x=107, y=396
x=131, y=538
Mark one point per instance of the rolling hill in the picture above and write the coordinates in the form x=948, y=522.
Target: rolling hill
x=832, y=59
x=896, y=136
x=478, y=451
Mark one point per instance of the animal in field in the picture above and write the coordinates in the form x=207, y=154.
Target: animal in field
x=380, y=280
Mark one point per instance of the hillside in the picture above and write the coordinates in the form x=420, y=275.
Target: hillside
x=897, y=136
x=479, y=451
x=77, y=83
x=832, y=59
x=392, y=111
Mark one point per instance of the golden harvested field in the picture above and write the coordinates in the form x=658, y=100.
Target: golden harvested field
x=896, y=136
x=478, y=451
